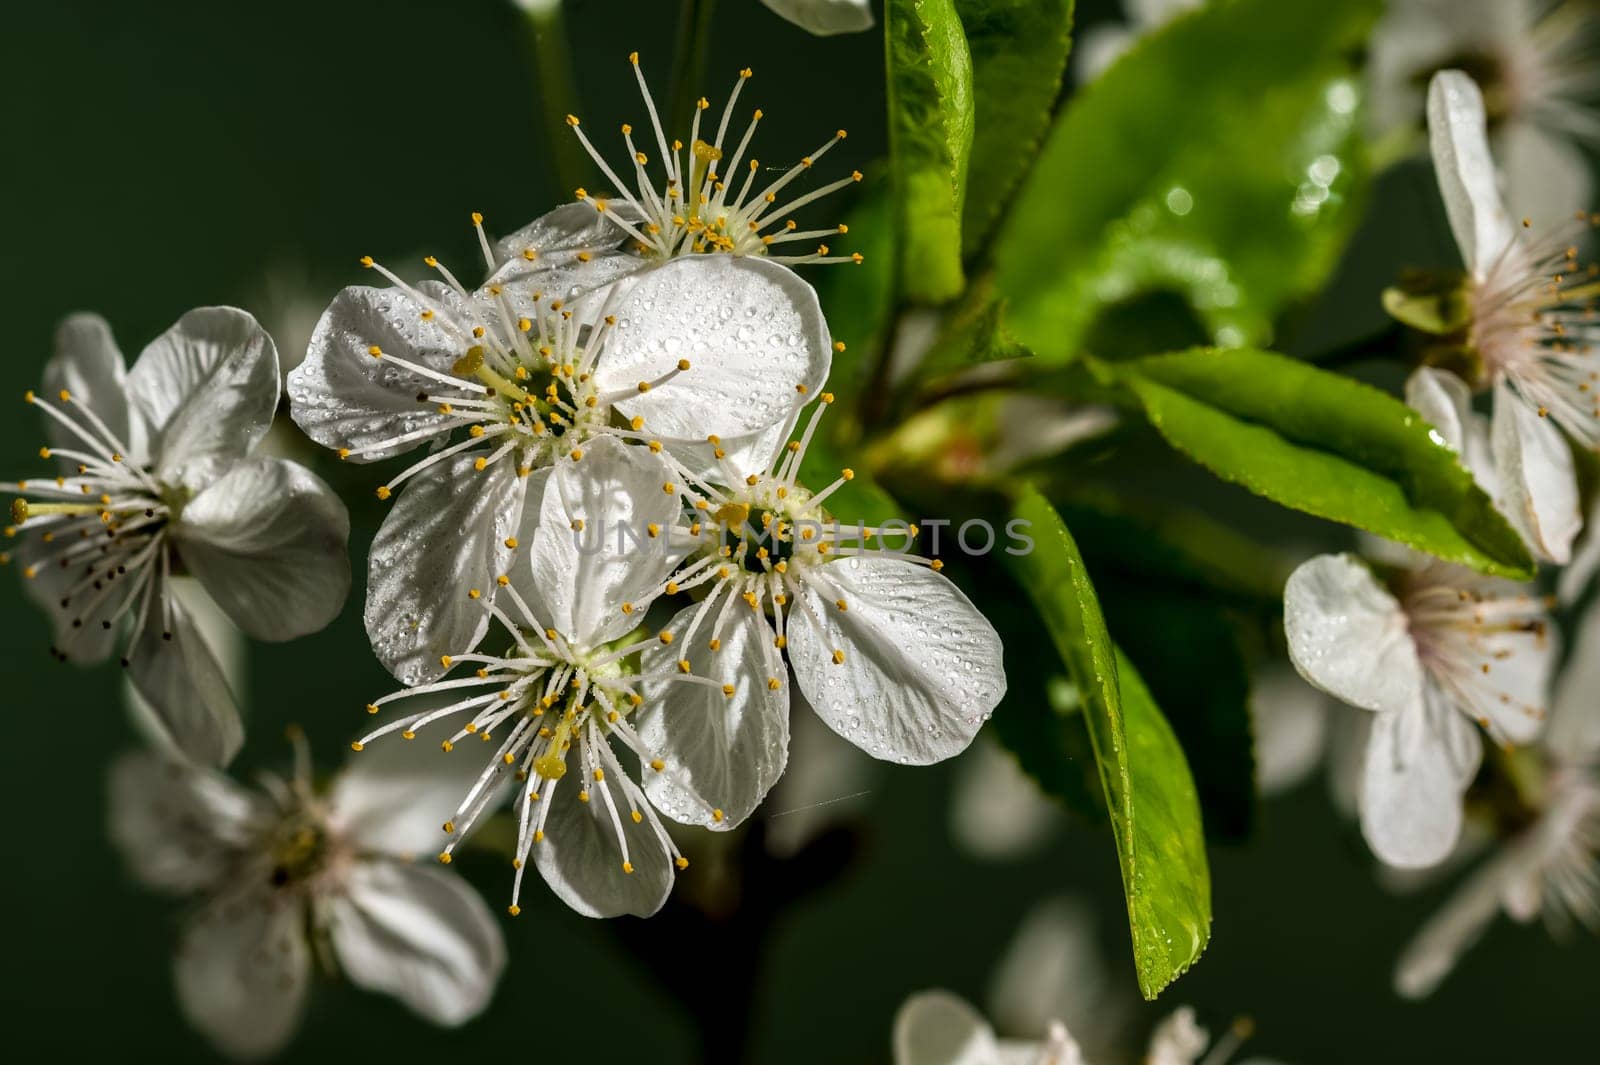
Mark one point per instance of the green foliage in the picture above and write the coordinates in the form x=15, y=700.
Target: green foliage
x=930, y=142
x=1324, y=444
x=1019, y=54
x=1155, y=815
x=1218, y=161
x=973, y=333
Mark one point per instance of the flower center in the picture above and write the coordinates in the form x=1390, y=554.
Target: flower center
x=696, y=205
x=299, y=849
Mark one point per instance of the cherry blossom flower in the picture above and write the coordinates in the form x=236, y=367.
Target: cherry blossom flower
x=1549, y=862
x=502, y=382
x=1432, y=653
x=159, y=478
x=284, y=877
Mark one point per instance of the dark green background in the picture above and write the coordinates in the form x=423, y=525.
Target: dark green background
x=164, y=156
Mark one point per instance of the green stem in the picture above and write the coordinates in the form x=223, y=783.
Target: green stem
x=558, y=95
x=692, y=42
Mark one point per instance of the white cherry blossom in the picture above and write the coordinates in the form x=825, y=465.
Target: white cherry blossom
x=1534, y=59
x=1549, y=862
x=889, y=652
x=559, y=707
x=939, y=1028
x=1529, y=330
x=707, y=195
x=499, y=383
x=1434, y=654
x=159, y=478
x=284, y=877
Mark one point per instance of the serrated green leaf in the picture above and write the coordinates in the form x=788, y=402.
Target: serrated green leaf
x=973, y=333
x=1019, y=54
x=1327, y=445
x=1155, y=815
x=1219, y=160
x=930, y=142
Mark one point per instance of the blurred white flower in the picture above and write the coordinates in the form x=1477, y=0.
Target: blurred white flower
x=827, y=780
x=1529, y=328
x=1550, y=863
x=1290, y=719
x=997, y=812
x=889, y=653
x=939, y=1028
x=825, y=17
x=1053, y=972
x=1445, y=649
x=159, y=477
x=702, y=204
x=284, y=875
x=1101, y=45
x=502, y=382
x=568, y=687
x=1534, y=59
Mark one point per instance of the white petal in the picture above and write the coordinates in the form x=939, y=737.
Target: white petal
x=825, y=17
x=1152, y=14
x=938, y=1028
x=1290, y=718
x=176, y=826
x=921, y=669
x=206, y=390
x=572, y=227
x=267, y=539
x=394, y=796
x=1098, y=48
x=1448, y=934
x=342, y=397
x=445, y=536
x=1178, y=1040
x=89, y=365
x=1539, y=488
x=179, y=678
x=1419, y=762
x=726, y=751
x=1457, y=134
x=1348, y=635
x=580, y=859
x=1446, y=402
x=997, y=812
x=420, y=934
x=242, y=971
x=1585, y=560
x=1053, y=970
x=592, y=552
x=753, y=334
x=1547, y=176
x=1574, y=732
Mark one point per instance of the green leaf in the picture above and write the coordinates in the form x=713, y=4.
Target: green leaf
x=859, y=299
x=1155, y=815
x=974, y=333
x=1019, y=54
x=930, y=142
x=1189, y=649
x=1220, y=160
x=1327, y=445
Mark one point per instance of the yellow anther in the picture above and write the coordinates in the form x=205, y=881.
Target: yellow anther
x=375, y=351
x=408, y=735
x=683, y=364
x=716, y=815
x=444, y=857
x=502, y=580
x=669, y=488
x=383, y=491
x=446, y=661
x=473, y=593
x=431, y=262
x=683, y=665
x=627, y=867
x=366, y=260
x=477, y=219
x=344, y=453
x=357, y=746
x=572, y=120
x=773, y=684
x=728, y=690
x=838, y=657
x=447, y=746
x=513, y=909
x=665, y=637
x=681, y=862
